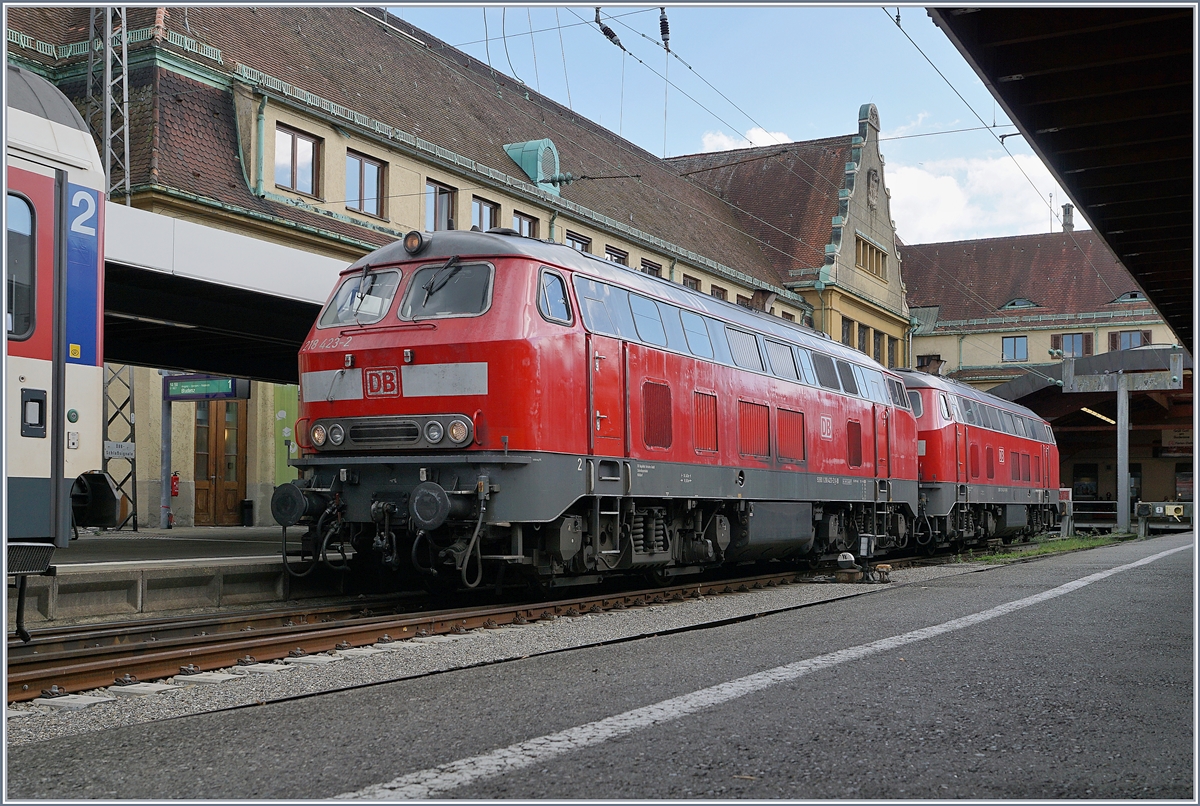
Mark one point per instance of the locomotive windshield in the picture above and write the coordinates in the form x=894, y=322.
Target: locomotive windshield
x=361, y=301
x=449, y=289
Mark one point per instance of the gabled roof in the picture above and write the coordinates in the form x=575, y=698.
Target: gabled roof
x=1062, y=273
x=414, y=82
x=787, y=194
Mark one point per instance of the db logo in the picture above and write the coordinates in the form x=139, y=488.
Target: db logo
x=826, y=427
x=383, y=382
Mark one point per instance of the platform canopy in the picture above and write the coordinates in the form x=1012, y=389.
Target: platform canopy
x=1105, y=96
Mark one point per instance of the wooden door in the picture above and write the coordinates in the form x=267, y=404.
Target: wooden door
x=220, y=463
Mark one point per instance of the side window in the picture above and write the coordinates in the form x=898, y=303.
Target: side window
x=647, y=321
x=605, y=308
x=826, y=373
x=847, y=376
x=918, y=409
x=1022, y=430
x=1009, y=426
x=805, y=365
x=552, y=298
x=697, y=335
x=782, y=362
x=945, y=408
x=745, y=349
x=19, y=223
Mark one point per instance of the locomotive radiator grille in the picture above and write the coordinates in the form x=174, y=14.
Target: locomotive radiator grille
x=401, y=432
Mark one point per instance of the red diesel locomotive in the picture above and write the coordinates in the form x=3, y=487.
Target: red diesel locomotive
x=475, y=402
x=987, y=467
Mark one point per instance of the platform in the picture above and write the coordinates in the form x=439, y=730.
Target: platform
x=105, y=575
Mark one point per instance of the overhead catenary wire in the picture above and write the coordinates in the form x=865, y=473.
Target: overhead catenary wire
x=566, y=80
x=533, y=47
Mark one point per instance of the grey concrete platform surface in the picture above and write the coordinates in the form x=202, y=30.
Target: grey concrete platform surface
x=105, y=575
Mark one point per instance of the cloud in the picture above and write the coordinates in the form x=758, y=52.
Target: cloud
x=984, y=197
x=905, y=129
x=757, y=136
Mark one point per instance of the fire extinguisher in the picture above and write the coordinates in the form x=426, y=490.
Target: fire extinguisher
x=175, y=484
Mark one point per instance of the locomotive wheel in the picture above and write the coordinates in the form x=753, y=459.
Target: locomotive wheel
x=658, y=577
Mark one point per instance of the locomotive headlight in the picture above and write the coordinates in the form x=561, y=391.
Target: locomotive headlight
x=414, y=242
x=458, y=431
x=336, y=434
x=317, y=435
x=434, y=432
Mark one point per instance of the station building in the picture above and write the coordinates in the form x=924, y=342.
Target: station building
x=337, y=130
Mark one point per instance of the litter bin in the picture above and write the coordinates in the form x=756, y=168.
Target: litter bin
x=247, y=512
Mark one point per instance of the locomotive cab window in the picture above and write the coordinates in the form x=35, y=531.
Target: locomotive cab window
x=360, y=301
x=552, y=298
x=448, y=290
x=19, y=223
x=917, y=407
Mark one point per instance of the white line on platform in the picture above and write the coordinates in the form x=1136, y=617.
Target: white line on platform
x=437, y=780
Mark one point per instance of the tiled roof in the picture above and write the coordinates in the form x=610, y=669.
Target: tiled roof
x=1062, y=273
x=435, y=92
x=786, y=195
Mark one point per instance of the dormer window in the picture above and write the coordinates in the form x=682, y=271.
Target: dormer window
x=1019, y=302
x=1131, y=296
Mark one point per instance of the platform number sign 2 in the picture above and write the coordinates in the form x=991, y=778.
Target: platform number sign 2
x=84, y=290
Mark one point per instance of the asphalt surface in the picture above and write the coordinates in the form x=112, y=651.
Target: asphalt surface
x=1087, y=695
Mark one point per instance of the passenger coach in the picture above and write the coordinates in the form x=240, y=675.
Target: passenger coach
x=472, y=402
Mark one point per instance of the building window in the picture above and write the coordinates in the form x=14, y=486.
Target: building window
x=691, y=282
x=1016, y=348
x=616, y=255
x=870, y=258
x=864, y=338
x=297, y=158
x=578, y=242
x=1131, y=296
x=1128, y=339
x=718, y=292
x=789, y=317
x=847, y=332
x=892, y=344
x=484, y=214
x=1073, y=345
x=1020, y=302
x=743, y=301
x=878, y=354
x=364, y=184
x=439, y=207
x=526, y=225
x=651, y=268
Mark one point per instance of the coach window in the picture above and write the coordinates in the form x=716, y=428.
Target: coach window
x=698, y=341
x=364, y=183
x=439, y=207
x=19, y=222
x=647, y=320
x=847, y=376
x=297, y=161
x=782, y=362
x=918, y=409
x=745, y=349
x=552, y=298
x=827, y=374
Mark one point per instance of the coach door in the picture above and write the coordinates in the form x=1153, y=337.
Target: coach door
x=220, y=462
x=882, y=443
x=607, y=395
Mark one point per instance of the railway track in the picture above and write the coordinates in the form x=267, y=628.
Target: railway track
x=83, y=658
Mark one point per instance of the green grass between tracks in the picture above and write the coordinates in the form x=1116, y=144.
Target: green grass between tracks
x=1006, y=554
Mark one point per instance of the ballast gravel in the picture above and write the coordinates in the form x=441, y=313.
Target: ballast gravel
x=27, y=723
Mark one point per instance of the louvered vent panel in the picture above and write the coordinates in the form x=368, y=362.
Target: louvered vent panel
x=754, y=430
x=791, y=435
x=706, y=421
x=656, y=415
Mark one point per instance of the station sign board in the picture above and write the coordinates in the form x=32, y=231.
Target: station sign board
x=205, y=387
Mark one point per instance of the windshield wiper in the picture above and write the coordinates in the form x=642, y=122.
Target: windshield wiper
x=433, y=286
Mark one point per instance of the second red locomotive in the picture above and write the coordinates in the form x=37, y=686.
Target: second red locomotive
x=473, y=403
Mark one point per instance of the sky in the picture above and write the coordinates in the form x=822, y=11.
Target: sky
x=755, y=75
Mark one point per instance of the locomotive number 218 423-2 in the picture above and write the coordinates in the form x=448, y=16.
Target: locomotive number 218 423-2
x=328, y=344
